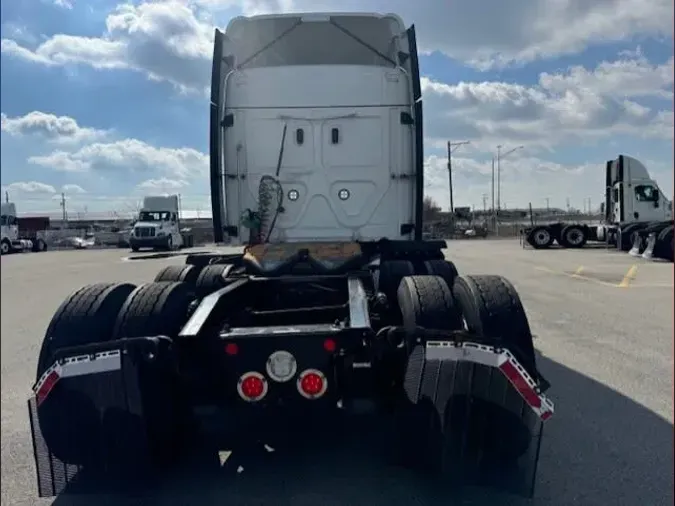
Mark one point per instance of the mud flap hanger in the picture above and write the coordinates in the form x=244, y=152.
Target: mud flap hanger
x=498, y=358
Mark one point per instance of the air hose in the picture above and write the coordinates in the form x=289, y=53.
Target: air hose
x=270, y=202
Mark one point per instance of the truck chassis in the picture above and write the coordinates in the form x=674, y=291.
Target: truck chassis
x=646, y=239
x=284, y=332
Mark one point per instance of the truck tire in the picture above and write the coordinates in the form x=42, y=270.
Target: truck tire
x=442, y=430
x=664, y=244
x=161, y=309
x=183, y=273
x=212, y=278
x=573, y=236
x=389, y=275
x=86, y=316
x=626, y=236
x=426, y=301
x=39, y=245
x=154, y=309
x=665, y=234
x=540, y=237
x=443, y=268
x=5, y=247
x=491, y=307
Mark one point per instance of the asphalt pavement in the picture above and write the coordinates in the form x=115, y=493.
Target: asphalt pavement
x=603, y=325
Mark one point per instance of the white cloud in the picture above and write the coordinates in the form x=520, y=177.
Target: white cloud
x=164, y=40
x=128, y=155
x=631, y=76
x=73, y=189
x=61, y=129
x=33, y=187
x=64, y=4
x=172, y=40
x=162, y=184
x=577, y=105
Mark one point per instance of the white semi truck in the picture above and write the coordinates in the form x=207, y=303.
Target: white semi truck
x=336, y=306
x=633, y=204
x=158, y=225
x=12, y=239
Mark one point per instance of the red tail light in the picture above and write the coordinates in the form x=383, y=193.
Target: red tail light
x=231, y=349
x=252, y=386
x=329, y=345
x=312, y=384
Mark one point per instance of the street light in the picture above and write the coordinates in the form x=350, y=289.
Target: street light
x=452, y=147
x=501, y=155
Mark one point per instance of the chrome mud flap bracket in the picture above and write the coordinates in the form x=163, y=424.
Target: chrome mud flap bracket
x=89, y=415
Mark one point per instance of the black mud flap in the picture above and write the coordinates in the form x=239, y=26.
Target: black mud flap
x=96, y=414
x=486, y=416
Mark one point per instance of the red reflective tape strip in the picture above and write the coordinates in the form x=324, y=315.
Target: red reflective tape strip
x=521, y=384
x=47, y=386
x=545, y=415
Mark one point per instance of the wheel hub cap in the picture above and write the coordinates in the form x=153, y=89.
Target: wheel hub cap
x=542, y=237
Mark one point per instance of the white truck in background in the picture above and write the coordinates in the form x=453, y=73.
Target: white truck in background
x=158, y=225
x=11, y=242
x=633, y=205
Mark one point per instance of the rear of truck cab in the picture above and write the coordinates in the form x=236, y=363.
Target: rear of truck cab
x=340, y=136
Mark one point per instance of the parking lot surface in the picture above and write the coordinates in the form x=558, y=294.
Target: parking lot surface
x=603, y=324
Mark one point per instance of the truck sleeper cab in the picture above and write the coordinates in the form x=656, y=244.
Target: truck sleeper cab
x=316, y=141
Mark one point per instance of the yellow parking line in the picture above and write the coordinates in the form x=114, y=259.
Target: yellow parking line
x=576, y=276
x=629, y=276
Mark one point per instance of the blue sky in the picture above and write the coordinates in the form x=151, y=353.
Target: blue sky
x=107, y=101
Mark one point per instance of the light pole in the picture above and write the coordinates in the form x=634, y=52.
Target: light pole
x=499, y=171
x=452, y=147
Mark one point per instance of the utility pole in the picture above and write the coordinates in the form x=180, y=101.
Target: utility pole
x=485, y=197
x=548, y=206
x=7, y=197
x=499, y=170
x=567, y=203
x=63, y=208
x=493, y=209
x=452, y=146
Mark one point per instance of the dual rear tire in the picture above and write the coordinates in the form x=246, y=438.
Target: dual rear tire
x=73, y=428
x=442, y=424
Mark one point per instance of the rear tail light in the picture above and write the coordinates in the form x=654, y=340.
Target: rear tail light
x=252, y=386
x=329, y=345
x=312, y=384
x=231, y=349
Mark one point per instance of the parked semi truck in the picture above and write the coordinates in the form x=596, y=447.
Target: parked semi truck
x=158, y=225
x=21, y=235
x=633, y=203
x=336, y=303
